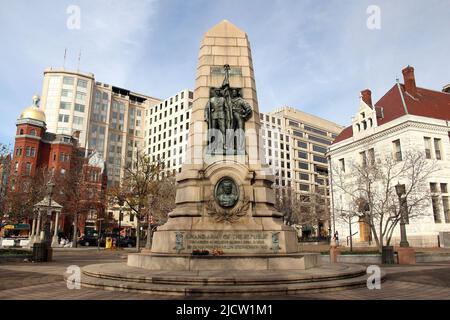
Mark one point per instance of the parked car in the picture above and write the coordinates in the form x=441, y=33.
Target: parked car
x=126, y=241
x=88, y=240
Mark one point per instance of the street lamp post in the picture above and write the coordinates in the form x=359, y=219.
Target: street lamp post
x=401, y=193
x=121, y=201
x=99, y=232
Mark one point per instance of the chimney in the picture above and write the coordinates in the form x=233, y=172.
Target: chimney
x=366, y=96
x=409, y=80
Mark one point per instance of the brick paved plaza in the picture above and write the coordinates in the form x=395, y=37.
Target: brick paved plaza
x=45, y=281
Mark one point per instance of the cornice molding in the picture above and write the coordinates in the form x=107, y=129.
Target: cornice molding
x=379, y=135
x=28, y=136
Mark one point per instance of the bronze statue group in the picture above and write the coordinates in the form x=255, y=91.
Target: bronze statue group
x=226, y=113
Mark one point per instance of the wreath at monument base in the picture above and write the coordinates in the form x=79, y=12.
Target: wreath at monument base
x=227, y=215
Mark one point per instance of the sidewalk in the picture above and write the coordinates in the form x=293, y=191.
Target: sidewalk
x=374, y=250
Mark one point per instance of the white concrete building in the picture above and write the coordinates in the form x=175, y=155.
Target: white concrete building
x=167, y=128
x=406, y=118
x=110, y=119
x=295, y=144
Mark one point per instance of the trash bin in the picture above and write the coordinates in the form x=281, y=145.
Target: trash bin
x=387, y=255
x=49, y=254
x=108, y=244
x=40, y=251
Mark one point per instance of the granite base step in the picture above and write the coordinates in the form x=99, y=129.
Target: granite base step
x=120, y=277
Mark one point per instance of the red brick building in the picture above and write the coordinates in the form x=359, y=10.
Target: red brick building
x=38, y=152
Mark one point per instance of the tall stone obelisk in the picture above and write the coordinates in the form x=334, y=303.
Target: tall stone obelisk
x=224, y=201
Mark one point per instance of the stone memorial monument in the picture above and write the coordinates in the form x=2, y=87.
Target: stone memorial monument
x=224, y=195
x=225, y=236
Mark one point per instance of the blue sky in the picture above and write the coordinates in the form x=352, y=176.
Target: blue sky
x=313, y=55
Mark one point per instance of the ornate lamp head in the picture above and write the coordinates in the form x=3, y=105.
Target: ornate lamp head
x=400, y=189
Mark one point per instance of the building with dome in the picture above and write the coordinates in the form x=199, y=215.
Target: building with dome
x=36, y=149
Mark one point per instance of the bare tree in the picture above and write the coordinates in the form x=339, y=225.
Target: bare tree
x=136, y=188
x=371, y=185
x=24, y=191
x=161, y=203
x=80, y=190
x=5, y=167
x=302, y=208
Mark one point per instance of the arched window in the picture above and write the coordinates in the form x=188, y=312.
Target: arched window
x=33, y=132
x=364, y=125
x=370, y=122
x=21, y=131
x=359, y=127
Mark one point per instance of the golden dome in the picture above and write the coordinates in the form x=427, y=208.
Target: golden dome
x=33, y=112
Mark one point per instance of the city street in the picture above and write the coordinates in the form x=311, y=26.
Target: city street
x=27, y=280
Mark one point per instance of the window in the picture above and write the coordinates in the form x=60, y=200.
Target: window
x=81, y=95
x=79, y=107
x=297, y=133
x=293, y=124
x=397, y=150
x=65, y=105
x=427, y=142
x=445, y=205
x=363, y=158
x=32, y=132
x=371, y=156
x=319, y=159
x=302, y=155
x=304, y=176
x=320, y=140
x=67, y=93
x=78, y=120
x=319, y=149
x=63, y=157
x=82, y=83
x=433, y=187
x=63, y=118
x=304, y=187
x=302, y=144
x=28, y=168
x=342, y=164
x=303, y=165
x=30, y=151
x=435, y=204
x=21, y=131
x=437, y=148
x=68, y=80
x=323, y=133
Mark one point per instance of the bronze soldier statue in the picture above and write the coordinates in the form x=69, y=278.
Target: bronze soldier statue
x=215, y=117
x=226, y=113
x=242, y=111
